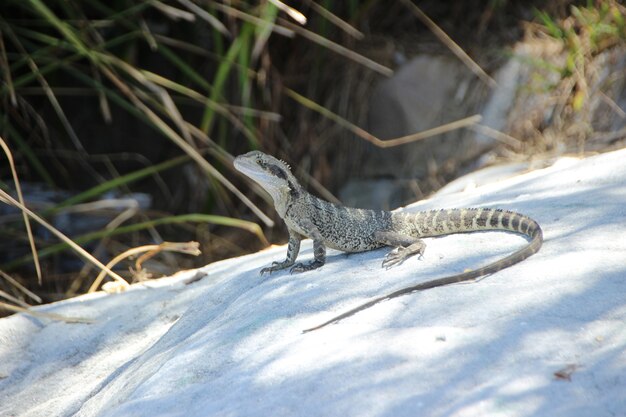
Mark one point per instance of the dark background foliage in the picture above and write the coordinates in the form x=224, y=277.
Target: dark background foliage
x=142, y=104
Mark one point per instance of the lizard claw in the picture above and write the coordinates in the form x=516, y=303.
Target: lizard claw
x=391, y=261
x=401, y=254
x=395, y=257
x=306, y=267
x=297, y=268
x=276, y=266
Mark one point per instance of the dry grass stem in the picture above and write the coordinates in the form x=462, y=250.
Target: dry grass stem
x=448, y=127
x=47, y=89
x=453, y=46
x=338, y=49
x=231, y=11
x=82, y=252
x=223, y=109
x=147, y=34
x=362, y=133
x=51, y=316
x=160, y=92
x=19, y=286
x=317, y=186
x=185, y=146
x=190, y=248
x=173, y=12
x=132, y=208
x=497, y=135
x=103, y=103
x=288, y=29
x=12, y=299
x=613, y=105
x=20, y=197
x=608, y=137
x=335, y=20
x=291, y=12
x=7, y=74
x=206, y=16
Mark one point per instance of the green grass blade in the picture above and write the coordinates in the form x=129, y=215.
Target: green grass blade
x=26, y=151
x=66, y=30
x=218, y=84
x=120, y=181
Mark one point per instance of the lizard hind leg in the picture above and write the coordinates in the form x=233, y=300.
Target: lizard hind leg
x=405, y=247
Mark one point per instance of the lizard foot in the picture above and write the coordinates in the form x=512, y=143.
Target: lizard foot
x=401, y=254
x=393, y=258
x=306, y=267
x=276, y=266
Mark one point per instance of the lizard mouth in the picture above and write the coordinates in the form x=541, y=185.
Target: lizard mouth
x=246, y=166
x=249, y=168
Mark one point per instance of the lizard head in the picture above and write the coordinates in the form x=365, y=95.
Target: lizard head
x=270, y=173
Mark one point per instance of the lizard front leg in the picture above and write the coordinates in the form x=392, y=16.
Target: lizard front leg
x=405, y=247
x=293, y=248
x=319, y=250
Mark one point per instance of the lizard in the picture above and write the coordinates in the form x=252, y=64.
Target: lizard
x=358, y=230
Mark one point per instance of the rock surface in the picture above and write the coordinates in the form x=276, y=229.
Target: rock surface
x=544, y=338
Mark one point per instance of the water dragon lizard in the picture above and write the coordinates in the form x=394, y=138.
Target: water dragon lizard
x=357, y=230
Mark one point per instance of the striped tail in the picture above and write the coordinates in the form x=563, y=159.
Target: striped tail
x=441, y=222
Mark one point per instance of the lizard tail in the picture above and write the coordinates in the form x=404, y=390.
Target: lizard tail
x=461, y=220
x=508, y=221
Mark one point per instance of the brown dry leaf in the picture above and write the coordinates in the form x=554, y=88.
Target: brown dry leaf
x=565, y=374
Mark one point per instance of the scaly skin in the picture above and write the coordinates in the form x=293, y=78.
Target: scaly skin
x=358, y=230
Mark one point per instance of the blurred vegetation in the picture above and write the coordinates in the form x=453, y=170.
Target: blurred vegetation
x=576, y=79
x=122, y=116
x=588, y=31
